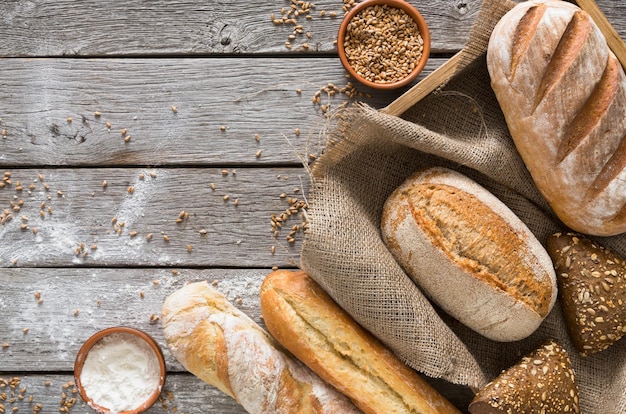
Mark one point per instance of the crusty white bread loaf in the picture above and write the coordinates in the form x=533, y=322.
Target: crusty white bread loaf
x=563, y=95
x=470, y=254
x=306, y=321
x=542, y=382
x=222, y=346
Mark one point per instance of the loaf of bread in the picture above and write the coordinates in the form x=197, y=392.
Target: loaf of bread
x=306, y=321
x=470, y=254
x=542, y=382
x=219, y=344
x=592, y=291
x=563, y=95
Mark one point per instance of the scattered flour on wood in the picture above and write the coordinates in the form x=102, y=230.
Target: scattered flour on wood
x=133, y=205
x=55, y=238
x=58, y=235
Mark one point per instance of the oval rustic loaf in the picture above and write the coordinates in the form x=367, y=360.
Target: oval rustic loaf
x=563, y=94
x=470, y=254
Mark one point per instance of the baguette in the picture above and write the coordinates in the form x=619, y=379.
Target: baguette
x=302, y=317
x=470, y=254
x=219, y=344
x=563, y=95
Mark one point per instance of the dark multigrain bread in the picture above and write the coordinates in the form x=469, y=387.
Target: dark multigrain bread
x=563, y=95
x=470, y=253
x=542, y=382
x=592, y=289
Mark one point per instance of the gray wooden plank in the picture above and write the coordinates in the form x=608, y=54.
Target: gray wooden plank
x=110, y=297
x=135, y=27
x=72, y=304
x=248, y=97
x=183, y=393
x=57, y=217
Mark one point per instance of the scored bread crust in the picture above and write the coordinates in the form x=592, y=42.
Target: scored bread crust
x=306, y=321
x=222, y=346
x=470, y=254
x=563, y=95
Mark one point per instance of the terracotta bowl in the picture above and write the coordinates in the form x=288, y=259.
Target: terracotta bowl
x=89, y=343
x=421, y=24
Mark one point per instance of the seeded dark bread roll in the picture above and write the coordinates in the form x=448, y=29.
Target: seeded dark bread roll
x=592, y=291
x=542, y=382
x=306, y=321
x=222, y=346
x=563, y=94
x=470, y=253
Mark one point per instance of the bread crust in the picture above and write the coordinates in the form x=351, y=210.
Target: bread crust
x=563, y=95
x=541, y=382
x=304, y=319
x=592, y=291
x=222, y=346
x=470, y=254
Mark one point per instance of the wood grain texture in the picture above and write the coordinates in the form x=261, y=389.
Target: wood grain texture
x=77, y=212
x=221, y=64
x=135, y=27
x=246, y=96
x=103, y=298
x=109, y=297
x=183, y=393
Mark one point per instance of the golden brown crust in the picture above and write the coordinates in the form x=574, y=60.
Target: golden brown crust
x=469, y=253
x=441, y=211
x=222, y=346
x=610, y=171
x=306, y=321
x=591, y=113
x=289, y=391
x=567, y=51
x=524, y=33
x=565, y=109
x=209, y=339
x=221, y=362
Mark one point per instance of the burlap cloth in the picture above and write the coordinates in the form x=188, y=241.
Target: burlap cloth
x=368, y=155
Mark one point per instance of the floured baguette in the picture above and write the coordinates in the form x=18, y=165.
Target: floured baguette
x=470, y=254
x=302, y=317
x=222, y=346
x=563, y=95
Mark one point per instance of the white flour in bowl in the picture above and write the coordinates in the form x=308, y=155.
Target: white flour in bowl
x=120, y=372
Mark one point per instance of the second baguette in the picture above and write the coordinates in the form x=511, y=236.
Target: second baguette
x=306, y=321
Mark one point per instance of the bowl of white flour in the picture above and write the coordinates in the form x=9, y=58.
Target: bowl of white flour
x=120, y=370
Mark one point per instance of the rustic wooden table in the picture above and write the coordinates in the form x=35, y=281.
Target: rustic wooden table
x=146, y=144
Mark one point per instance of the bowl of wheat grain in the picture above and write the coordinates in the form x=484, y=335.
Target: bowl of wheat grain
x=383, y=44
